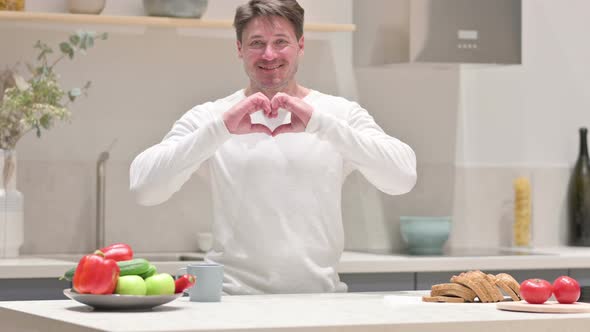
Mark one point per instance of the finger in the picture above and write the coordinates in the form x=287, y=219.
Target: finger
x=265, y=105
x=266, y=109
x=282, y=129
x=277, y=102
x=256, y=105
x=260, y=128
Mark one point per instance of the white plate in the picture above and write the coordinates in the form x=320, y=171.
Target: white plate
x=120, y=302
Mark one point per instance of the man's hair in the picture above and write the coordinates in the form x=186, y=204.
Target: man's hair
x=288, y=9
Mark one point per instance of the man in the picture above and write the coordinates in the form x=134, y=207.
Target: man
x=276, y=155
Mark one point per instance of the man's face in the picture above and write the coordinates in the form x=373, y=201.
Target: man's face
x=270, y=51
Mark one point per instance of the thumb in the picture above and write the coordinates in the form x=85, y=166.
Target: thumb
x=282, y=129
x=260, y=128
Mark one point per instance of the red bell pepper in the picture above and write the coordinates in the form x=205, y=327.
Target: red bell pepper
x=96, y=274
x=118, y=252
x=184, y=282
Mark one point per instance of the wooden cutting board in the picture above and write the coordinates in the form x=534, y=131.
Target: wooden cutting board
x=547, y=307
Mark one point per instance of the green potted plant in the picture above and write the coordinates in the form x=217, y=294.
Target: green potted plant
x=32, y=104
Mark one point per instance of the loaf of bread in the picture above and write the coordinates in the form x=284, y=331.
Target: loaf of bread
x=475, y=286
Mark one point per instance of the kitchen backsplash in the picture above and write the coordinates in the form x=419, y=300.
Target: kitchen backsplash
x=484, y=205
x=60, y=208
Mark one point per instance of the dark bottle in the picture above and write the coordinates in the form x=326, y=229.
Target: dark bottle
x=579, y=197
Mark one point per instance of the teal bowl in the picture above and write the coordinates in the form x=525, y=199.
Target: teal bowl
x=425, y=235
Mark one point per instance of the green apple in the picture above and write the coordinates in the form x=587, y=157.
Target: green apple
x=130, y=285
x=160, y=284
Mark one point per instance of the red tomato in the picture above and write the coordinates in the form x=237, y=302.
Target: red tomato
x=566, y=290
x=536, y=291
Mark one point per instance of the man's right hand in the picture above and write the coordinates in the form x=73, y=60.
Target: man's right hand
x=237, y=119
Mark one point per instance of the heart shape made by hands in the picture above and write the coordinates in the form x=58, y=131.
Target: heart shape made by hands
x=282, y=117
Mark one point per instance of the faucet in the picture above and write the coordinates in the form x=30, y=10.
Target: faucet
x=100, y=195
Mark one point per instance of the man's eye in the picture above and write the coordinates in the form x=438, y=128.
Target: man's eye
x=281, y=42
x=257, y=43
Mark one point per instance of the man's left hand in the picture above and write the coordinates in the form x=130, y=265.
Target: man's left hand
x=300, y=113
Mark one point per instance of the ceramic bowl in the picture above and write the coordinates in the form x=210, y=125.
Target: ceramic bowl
x=86, y=6
x=175, y=8
x=425, y=235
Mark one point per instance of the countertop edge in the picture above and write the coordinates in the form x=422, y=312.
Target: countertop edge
x=46, y=266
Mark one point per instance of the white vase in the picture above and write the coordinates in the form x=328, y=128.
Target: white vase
x=11, y=207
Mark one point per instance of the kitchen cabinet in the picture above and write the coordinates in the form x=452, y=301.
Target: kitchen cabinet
x=375, y=282
x=33, y=289
x=581, y=275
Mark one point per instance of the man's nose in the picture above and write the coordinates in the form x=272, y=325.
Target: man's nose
x=269, y=52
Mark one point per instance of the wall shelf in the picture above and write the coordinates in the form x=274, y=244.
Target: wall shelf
x=151, y=21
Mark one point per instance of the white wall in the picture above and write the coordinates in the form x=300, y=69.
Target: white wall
x=523, y=121
x=143, y=80
x=539, y=105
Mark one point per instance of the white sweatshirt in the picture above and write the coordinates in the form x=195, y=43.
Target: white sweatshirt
x=276, y=200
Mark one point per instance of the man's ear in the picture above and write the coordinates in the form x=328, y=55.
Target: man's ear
x=301, y=43
x=239, y=46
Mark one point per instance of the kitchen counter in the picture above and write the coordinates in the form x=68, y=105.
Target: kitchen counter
x=49, y=266
x=303, y=312
x=531, y=259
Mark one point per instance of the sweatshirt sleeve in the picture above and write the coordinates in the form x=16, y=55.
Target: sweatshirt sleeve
x=161, y=170
x=386, y=162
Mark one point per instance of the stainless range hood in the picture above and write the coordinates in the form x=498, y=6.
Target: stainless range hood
x=437, y=31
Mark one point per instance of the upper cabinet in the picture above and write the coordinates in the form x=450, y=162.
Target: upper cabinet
x=437, y=31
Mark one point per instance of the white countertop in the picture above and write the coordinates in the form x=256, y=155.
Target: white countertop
x=49, y=266
x=542, y=258
x=401, y=311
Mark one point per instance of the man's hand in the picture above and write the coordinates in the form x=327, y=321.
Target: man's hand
x=300, y=113
x=238, y=121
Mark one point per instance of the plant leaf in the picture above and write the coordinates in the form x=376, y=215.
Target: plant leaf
x=83, y=40
x=90, y=41
x=67, y=49
x=74, y=39
x=44, y=53
x=45, y=121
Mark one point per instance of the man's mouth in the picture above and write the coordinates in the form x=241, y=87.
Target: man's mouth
x=269, y=67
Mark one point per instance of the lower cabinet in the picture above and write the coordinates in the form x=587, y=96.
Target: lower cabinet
x=378, y=282
x=52, y=288
x=581, y=275
x=383, y=282
x=33, y=289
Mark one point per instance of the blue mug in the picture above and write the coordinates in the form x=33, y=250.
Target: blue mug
x=209, y=281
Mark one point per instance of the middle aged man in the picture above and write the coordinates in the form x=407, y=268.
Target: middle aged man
x=276, y=154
